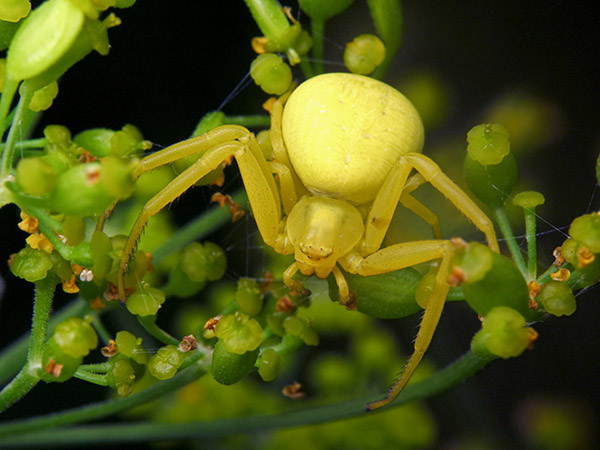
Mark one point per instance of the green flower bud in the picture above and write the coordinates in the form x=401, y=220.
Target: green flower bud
x=270, y=73
x=268, y=366
x=57, y=134
x=194, y=262
x=239, y=333
x=216, y=262
x=57, y=365
x=248, y=296
x=31, y=264
x=229, y=368
x=145, y=302
x=180, y=285
x=528, y=199
x=42, y=98
x=475, y=262
x=501, y=285
x=43, y=39
x=165, y=363
x=75, y=336
x=297, y=327
x=122, y=376
x=488, y=143
x=14, y=10
x=320, y=10
x=101, y=142
x=131, y=346
x=491, y=184
x=557, y=298
x=504, y=332
x=35, y=176
x=586, y=230
x=209, y=121
x=386, y=296
x=364, y=54
x=88, y=189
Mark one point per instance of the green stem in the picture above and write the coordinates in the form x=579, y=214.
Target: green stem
x=96, y=368
x=307, y=69
x=108, y=407
x=8, y=93
x=149, y=324
x=9, y=150
x=507, y=232
x=204, y=225
x=30, y=143
x=530, y=230
x=91, y=377
x=252, y=121
x=20, y=385
x=269, y=17
x=317, y=27
x=44, y=294
x=465, y=367
x=105, y=336
x=14, y=357
x=29, y=376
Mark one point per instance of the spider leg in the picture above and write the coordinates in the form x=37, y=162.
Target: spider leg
x=434, y=175
x=397, y=257
x=286, y=185
x=215, y=146
x=411, y=203
x=279, y=149
x=396, y=189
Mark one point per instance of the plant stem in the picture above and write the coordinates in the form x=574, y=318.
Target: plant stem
x=14, y=357
x=507, y=232
x=96, y=368
x=197, y=229
x=108, y=407
x=91, y=377
x=530, y=230
x=463, y=368
x=9, y=149
x=253, y=121
x=100, y=328
x=317, y=27
x=29, y=376
x=149, y=324
x=8, y=93
x=31, y=143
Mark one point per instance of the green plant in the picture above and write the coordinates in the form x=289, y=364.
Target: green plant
x=54, y=167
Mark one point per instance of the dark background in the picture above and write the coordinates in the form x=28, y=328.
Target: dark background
x=172, y=61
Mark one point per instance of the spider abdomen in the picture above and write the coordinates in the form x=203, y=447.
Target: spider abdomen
x=343, y=133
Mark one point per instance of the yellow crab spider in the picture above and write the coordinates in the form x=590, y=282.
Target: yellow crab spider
x=344, y=148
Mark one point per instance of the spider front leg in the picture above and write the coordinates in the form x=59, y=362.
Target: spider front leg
x=215, y=146
x=398, y=257
x=392, y=192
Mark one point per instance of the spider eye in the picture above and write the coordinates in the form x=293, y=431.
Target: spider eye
x=315, y=253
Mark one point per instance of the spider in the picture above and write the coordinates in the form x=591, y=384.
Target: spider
x=344, y=148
